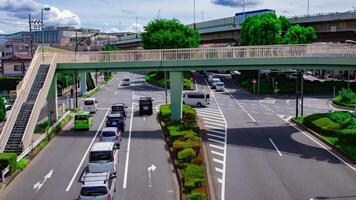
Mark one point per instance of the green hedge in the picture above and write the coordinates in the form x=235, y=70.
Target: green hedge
x=22, y=163
x=186, y=155
x=345, y=98
x=325, y=125
x=193, y=177
x=11, y=159
x=2, y=109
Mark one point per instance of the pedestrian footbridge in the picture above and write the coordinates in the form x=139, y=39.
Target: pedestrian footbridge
x=40, y=82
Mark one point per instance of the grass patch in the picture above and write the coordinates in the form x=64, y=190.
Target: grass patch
x=40, y=128
x=90, y=93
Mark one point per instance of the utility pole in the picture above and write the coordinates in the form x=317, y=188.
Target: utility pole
x=30, y=29
x=302, y=92
x=308, y=12
x=202, y=16
x=297, y=95
x=158, y=14
x=194, y=13
x=244, y=9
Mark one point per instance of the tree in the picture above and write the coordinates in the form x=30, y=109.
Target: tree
x=285, y=23
x=300, y=35
x=261, y=30
x=169, y=34
x=2, y=109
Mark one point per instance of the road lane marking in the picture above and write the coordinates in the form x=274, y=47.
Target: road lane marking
x=218, y=161
x=37, y=186
x=115, y=92
x=217, y=141
x=243, y=108
x=86, y=153
x=279, y=153
x=216, y=146
x=215, y=124
x=215, y=131
x=218, y=170
x=217, y=153
x=128, y=145
x=222, y=195
x=216, y=136
x=220, y=180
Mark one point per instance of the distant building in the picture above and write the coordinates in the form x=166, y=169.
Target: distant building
x=16, y=48
x=15, y=65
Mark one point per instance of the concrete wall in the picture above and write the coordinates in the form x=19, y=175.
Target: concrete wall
x=9, y=68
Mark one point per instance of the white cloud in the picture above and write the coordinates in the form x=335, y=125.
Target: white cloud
x=62, y=17
x=134, y=28
x=106, y=23
x=2, y=31
x=113, y=30
x=19, y=9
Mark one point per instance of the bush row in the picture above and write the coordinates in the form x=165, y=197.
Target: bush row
x=185, y=142
x=156, y=78
x=340, y=124
x=346, y=98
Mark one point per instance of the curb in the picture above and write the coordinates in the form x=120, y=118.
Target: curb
x=210, y=187
x=9, y=179
x=341, y=107
x=339, y=152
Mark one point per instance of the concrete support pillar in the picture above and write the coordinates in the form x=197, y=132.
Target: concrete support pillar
x=52, y=100
x=176, y=85
x=83, y=82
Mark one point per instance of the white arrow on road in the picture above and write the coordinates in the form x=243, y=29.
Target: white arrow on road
x=150, y=169
x=268, y=101
x=37, y=186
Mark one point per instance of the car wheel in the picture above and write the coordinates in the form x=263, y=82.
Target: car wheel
x=199, y=104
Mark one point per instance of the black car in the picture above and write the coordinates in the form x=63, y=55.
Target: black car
x=145, y=104
x=119, y=108
x=116, y=120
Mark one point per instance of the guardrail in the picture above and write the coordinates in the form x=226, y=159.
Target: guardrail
x=271, y=51
x=41, y=98
x=40, y=139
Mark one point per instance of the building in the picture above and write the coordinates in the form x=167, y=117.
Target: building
x=16, y=47
x=15, y=65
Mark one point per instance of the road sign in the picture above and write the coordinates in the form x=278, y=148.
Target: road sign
x=254, y=81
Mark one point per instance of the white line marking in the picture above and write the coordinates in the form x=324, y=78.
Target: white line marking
x=216, y=136
x=217, y=141
x=213, y=127
x=222, y=196
x=115, y=92
x=209, y=114
x=216, y=146
x=218, y=170
x=243, y=108
x=275, y=146
x=218, y=161
x=220, y=181
x=86, y=153
x=214, y=131
x=217, y=153
x=128, y=146
x=215, y=124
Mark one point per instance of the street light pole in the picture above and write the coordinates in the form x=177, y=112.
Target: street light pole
x=194, y=13
x=308, y=8
x=202, y=15
x=42, y=31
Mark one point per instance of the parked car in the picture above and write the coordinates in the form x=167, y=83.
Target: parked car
x=125, y=82
x=111, y=134
x=220, y=86
x=234, y=73
x=116, y=120
x=214, y=82
x=103, y=157
x=119, y=108
x=145, y=106
x=83, y=120
x=90, y=105
x=97, y=186
x=198, y=99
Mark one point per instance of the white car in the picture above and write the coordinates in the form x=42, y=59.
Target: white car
x=90, y=105
x=215, y=81
x=111, y=134
x=125, y=82
x=220, y=86
x=210, y=78
x=103, y=157
x=97, y=186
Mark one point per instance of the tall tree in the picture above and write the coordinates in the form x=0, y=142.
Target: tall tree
x=169, y=34
x=300, y=35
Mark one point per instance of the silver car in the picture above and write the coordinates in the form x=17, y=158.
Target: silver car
x=97, y=186
x=111, y=134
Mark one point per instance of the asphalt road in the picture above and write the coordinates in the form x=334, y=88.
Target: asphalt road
x=65, y=157
x=267, y=158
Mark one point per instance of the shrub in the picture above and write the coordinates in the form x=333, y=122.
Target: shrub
x=347, y=136
x=351, y=123
x=347, y=95
x=41, y=127
x=180, y=145
x=22, y=163
x=195, y=195
x=309, y=119
x=11, y=159
x=341, y=117
x=193, y=176
x=190, y=135
x=325, y=126
x=186, y=155
x=175, y=131
x=2, y=109
x=189, y=113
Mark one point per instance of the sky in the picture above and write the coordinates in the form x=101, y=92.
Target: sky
x=114, y=15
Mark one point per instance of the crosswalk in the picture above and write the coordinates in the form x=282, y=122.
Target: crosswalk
x=216, y=132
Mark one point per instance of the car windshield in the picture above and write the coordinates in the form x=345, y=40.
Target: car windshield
x=89, y=102
x=94, y=191
x=108, y=134
x=145, y=103
x=81, y=117
x=99, y=156
x=220, y=84
x=126, y=79
x=117, y=108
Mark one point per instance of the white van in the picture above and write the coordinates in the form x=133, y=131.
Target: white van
x=220, y=87
x=215, y=81
x=198, y=99
x=103, y=157
x=90, y=105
